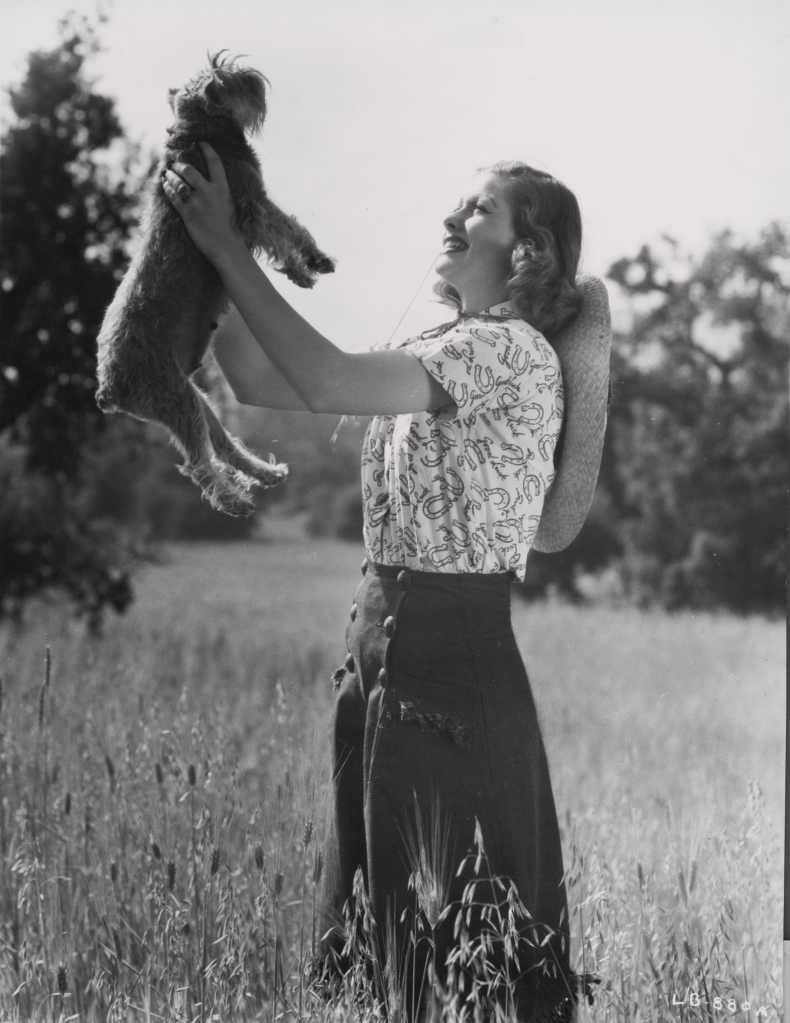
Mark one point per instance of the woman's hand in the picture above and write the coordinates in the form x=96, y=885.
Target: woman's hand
x=204, y=204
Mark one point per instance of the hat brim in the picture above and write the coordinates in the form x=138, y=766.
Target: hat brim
x=584, y=349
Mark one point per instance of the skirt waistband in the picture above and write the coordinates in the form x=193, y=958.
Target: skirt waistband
x=405, y=576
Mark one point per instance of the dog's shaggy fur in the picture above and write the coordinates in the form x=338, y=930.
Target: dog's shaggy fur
x=158, y=328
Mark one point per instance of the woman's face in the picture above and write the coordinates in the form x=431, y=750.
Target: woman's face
x=478, y=239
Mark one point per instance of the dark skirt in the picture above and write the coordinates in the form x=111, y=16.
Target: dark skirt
x=441, y=790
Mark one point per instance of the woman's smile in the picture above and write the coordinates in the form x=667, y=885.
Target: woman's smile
x=454, y=244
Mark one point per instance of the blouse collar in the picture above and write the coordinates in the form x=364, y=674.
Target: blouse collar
x=504, y=309
x=497, y=311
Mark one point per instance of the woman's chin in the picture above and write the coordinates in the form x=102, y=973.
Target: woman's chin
x=444, y=268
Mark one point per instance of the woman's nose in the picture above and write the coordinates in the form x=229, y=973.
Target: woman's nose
x=452, y=220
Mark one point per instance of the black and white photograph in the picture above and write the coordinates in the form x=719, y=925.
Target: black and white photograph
x=394, y=478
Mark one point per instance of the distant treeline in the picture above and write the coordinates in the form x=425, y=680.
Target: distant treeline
x=692, y=500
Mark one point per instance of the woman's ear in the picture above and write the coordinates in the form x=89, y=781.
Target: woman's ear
x=525, y=248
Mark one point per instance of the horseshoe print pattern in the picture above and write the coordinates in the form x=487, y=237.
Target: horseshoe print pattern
x=462, y=489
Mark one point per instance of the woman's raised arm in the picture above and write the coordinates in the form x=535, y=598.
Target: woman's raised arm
x=252, y=376
x=326, y=378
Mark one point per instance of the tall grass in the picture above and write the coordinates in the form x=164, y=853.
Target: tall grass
x=163, y=790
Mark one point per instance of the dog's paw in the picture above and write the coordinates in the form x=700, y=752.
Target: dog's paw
x=298, y=274
x=231, y=501
x=236, y=507
x=234, y=496
x=320, y=263
x=225, y=489
x=269, y=474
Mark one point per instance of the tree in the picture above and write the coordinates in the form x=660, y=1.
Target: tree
x=66, y=217
x=699, y=422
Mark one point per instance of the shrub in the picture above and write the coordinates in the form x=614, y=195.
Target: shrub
x=336, y=512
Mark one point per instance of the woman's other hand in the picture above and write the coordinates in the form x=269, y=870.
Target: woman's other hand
x=204, y=204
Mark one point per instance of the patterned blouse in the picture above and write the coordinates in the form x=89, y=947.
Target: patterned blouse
x=462, y=489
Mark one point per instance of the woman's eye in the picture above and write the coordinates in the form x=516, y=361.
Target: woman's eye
x=481, y=208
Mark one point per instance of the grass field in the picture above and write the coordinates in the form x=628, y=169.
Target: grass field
x=162, y=796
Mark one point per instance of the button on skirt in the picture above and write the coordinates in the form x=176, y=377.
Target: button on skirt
x=440, y=781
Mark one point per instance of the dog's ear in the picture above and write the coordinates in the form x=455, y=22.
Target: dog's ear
x=239, y=91
x=242, y=93
x=249, y=93
x=213, y=93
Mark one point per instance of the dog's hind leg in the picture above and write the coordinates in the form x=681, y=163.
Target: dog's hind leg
x=231, y=450
x=176, y=404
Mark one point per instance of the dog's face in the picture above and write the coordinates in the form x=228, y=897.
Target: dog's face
x=222, y=90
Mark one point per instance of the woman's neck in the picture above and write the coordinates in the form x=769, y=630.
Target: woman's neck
x=475, y=300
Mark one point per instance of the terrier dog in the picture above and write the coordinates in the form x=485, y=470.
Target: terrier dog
x=158, y=328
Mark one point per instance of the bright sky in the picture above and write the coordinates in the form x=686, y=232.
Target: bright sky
x=670, y=120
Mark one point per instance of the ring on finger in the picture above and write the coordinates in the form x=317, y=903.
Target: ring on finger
x=187, y=173
x=184, y=191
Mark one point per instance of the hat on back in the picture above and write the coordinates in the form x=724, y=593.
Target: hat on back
x=584, y=349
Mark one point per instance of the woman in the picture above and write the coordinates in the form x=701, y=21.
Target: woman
x=438, y=756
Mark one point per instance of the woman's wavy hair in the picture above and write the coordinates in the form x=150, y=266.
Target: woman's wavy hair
x=542, y=282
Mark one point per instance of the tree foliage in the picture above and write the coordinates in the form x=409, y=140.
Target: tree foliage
x=698, y=433
x=66, y=216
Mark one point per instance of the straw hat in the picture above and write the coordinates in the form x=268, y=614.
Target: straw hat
x=584, y=349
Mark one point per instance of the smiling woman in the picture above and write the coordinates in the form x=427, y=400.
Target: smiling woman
x=437, y=749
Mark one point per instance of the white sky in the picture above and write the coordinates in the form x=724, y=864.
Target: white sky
x=671, y=120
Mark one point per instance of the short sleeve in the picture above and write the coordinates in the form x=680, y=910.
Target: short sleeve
x=495, y=365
